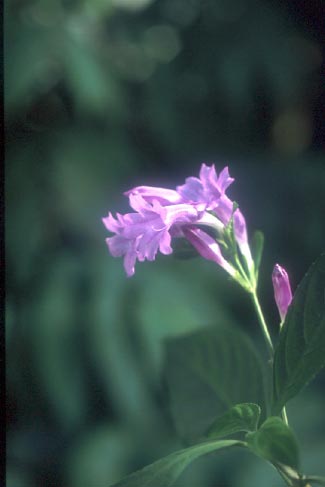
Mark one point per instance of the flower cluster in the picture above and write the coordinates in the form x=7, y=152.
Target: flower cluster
x=163, y=214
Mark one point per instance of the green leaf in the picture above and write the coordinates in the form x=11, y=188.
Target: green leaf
x=300, y=353
x=165, y=471
x=275, y=442
x=208, y=372
x=257, y=246
x=242, y=417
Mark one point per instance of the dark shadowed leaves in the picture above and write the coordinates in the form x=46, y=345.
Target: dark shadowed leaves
x=207, y=373
x=300, y=353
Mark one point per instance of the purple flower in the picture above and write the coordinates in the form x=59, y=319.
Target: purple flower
x=207, y=189
x=150, y=194
x=140, y=235
x=224, y=211
x=282, y=290
x=162, y=214
x=210, y=189
x=207, y=247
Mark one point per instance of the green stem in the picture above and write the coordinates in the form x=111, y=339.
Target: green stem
x=315, y=478
x=285, y=478
x=284, y=416
x=263, y=325
x=241, y=270
x=268, y=339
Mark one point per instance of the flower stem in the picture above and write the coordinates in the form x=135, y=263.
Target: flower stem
x=268, y=339
x=263, y=325
x=284, y=416
x=285, y=478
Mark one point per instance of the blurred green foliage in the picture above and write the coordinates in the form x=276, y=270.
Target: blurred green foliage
x=101, y=96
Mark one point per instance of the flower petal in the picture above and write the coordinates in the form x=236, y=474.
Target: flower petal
x=183, y=213
x=192, y=190
x=118, y=245
x=140, y=235
x=207, y=189
x=150, y=193
x=129, y=262
x=138, y=203
x=164, y=244
x=207, y=247
x=224, y=179
x=110, y=223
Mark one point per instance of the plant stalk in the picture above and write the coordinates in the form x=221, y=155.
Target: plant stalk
x=267, y=338
x=263, y=325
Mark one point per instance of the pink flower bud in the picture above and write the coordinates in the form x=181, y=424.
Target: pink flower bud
x=282, y=290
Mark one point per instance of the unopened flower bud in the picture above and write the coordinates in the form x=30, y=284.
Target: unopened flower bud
x=282, y=290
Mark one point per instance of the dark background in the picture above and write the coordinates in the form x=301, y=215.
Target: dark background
x=103, y=95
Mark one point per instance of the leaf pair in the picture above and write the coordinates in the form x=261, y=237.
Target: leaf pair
x=274, y=442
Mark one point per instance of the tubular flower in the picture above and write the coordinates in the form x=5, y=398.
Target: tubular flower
x=140, y=235
x=207, y=247
x=207, y=189
x=282, y=290
x=150, y=194
x=224, y=211
x=210, y=189
x=162, y=214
